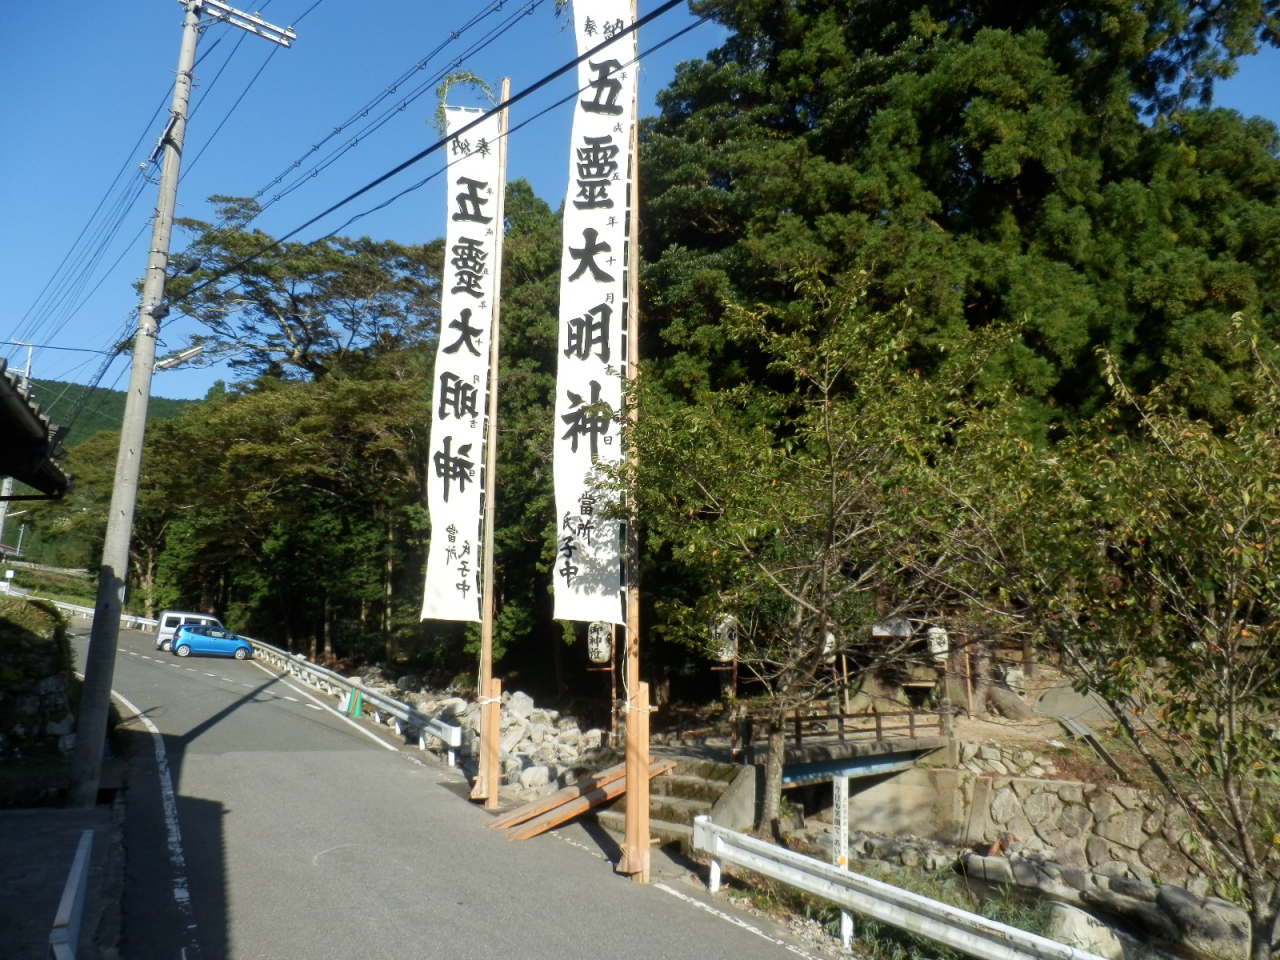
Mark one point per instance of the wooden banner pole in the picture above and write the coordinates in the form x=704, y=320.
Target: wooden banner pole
x=635, y=854
x=486, y=789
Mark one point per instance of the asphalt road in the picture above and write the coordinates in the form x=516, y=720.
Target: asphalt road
x=293, y=832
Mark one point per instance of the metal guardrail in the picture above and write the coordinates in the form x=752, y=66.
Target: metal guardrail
x=126, y=620
x=959, y=929
x=407, y=720
x=64, y=938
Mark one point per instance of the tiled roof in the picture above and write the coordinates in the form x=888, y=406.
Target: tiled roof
x=29, y=444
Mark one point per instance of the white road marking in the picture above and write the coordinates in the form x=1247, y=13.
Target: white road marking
x=324, y=706
x=210, y=674
x=736, y=921
x=178, y=860
x=250, y=685
x=193, y=669
x=313, y=706
x=294, y=699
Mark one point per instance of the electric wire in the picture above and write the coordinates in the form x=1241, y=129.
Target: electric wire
x=425, y=87
x=439, y=144
x=61, y=307
x=519, y=126
x=69, y=295
x=26, y=332
x=227, y=116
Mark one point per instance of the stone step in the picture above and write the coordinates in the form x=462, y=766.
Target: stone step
x=677, y=809
x=687, y=788
x=710, y=770
x=664, y=831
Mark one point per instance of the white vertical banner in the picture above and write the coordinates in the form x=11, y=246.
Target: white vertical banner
x=468, y=289
x=593, y=315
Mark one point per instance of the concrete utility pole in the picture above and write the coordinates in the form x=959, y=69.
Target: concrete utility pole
x=95, y=702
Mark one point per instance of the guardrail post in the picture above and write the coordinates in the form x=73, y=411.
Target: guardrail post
x=704, y=839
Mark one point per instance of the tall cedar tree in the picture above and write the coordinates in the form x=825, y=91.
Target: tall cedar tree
x=991, y=162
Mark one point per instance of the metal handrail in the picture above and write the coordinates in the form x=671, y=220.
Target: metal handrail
x=64, y=938
x=408, y=721
x=959, y=929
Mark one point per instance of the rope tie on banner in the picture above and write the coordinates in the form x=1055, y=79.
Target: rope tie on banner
x=482, y=701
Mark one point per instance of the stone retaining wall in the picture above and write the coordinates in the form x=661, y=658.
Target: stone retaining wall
x=35, y=705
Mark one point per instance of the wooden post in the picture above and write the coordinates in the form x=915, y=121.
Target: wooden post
x=635, y=850
x=635, y=853
x=613, y=685
x=486, y=785
x=968, y=680
x=491, y=719
x=844, y=670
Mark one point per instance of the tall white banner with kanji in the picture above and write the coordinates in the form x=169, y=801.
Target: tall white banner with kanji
x=467, y=297
x=593, y=315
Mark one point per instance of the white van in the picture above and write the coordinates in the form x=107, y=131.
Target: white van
x=171, y=620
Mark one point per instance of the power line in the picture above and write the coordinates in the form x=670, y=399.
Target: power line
x=249, y=86
x=423, y=154
x=519, y=126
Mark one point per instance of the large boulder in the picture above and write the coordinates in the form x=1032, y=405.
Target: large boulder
x=1077, y=928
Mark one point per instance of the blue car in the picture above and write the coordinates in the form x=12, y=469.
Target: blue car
x=215, y=641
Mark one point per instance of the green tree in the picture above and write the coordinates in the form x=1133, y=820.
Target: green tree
x=787, y=503
x=301, y=309
x=992, y=163
x=1150, y=563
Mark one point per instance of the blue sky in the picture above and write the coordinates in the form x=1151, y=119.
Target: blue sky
x=82, y=85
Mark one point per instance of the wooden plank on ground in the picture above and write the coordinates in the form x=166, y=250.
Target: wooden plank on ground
x=572, y=808
x=552, y=800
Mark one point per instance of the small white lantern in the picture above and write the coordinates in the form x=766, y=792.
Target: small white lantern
x=724, y=638
x=600, y=642
x=939, y=642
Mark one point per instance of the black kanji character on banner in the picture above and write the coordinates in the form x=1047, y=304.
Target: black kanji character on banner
x=591, y=419
x=464, y=571
x=586, y=256
x=468, y=260
x=460, y=147
x=450, y=468
x=597, y=166
x=458, y=396
x=466, y=334
x=588, y=331
x=605, y=88
x=470, y=201
x=611, y=30
x=566, y=548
